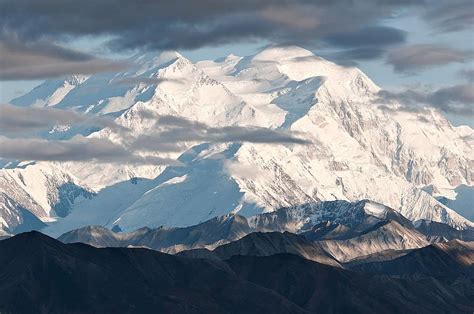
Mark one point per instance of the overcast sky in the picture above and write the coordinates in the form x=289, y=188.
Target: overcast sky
x=405, y=45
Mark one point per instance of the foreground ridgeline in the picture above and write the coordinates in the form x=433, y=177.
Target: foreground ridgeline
x=363, y=258
x=260, y=273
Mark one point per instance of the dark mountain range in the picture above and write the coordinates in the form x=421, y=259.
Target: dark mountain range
x=210, y=233
x=42, y=275
x=325, y=289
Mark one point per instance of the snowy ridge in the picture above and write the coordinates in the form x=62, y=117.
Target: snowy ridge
x=30, y=194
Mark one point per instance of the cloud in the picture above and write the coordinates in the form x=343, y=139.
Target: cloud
x=467, y=75
x=187, y=24
x=450, y=16
x=422, y=56
x=458, y=99
x=377, y=36
x=76, y=149
x=346, y=57
x=364, y=44
x=172, y=133
x=42, y=59
x=15, y=120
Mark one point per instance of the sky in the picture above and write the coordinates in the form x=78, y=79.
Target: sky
x=420, y=51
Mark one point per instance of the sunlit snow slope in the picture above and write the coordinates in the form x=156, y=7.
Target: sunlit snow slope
x=361, y=147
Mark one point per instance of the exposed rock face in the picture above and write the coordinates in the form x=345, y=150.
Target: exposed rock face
x=370, y=229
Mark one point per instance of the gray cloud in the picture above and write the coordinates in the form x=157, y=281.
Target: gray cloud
x=171, y=133
x=16, y=120
x=458, y=99
x=365, y=44
x=76, y=149
x=42, y=59
x=467, y=75
x=449, y=16
x=421, y=56
x=347, y=57
x=377, y=36
x=192, y=24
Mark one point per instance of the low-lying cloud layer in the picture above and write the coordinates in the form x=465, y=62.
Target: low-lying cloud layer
x=170, y=134
x=16, y=120
x=76, y=149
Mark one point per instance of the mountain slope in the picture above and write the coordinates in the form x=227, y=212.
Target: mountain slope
x=359, y=142
x=443, y=260
x=47, y=274
x=271, y=243
x=208, y=234
x=321, y=288
x=435, y=230
x=31, y=195
x=40, y=273
x=390, y=236
x=368, y=232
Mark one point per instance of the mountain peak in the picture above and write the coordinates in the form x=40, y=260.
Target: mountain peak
x=34, y=240
x=156, y=58
x=279, y=52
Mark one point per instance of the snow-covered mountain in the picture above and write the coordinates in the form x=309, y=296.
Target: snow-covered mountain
x=361, y=147
x=31, y=194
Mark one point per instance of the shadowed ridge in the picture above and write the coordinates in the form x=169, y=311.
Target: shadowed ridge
x=270, y=243
x=31, y=239
x=439, y=231
x=40, y=273
x=325, y=289
x=441, y=260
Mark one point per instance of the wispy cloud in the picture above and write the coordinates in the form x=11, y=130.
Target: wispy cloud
x=467, y=75
x=169, y=134
x=458, y=99
x=421, y=56
x=450, y=16
x=24, y=121
x=42, y=59
x=77, y=149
